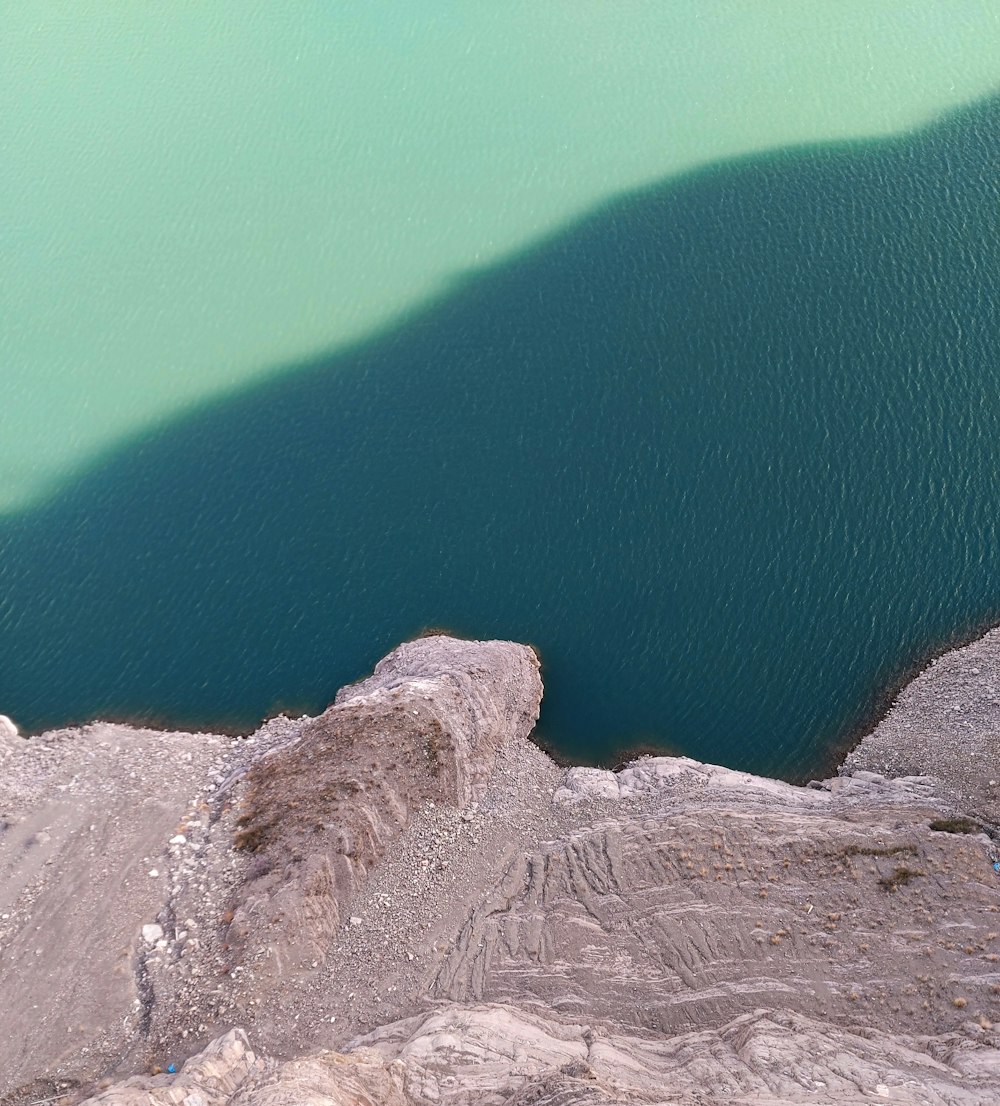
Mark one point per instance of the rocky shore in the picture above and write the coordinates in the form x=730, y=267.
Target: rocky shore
x=404, y=901
x=946, y=723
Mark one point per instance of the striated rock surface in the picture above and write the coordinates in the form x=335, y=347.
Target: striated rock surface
x=319, y=812
x=403, y=901
x=491, y=1056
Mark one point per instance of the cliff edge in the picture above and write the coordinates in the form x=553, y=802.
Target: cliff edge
x=404, y=901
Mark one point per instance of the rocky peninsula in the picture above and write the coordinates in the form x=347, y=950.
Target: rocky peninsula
x=404, y=901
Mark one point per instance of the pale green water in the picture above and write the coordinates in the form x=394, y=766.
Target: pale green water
x=194, y=193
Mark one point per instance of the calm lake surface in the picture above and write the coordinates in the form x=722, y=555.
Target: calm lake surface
x=664, y=340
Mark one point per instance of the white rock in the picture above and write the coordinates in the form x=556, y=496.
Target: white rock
x=152, y=933
x=588, y=783
x=178, y=839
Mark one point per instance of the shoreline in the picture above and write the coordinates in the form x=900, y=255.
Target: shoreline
x=945, y=723
x=882, y=702
x=830, y=762
x=409, y=854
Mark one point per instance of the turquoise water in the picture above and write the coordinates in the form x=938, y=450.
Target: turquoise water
x=723, y=448
x=194, y=194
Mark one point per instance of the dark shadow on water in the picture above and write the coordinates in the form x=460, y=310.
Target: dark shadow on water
x=724, y=452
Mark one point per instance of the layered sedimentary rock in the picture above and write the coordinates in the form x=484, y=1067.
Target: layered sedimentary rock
x=319, y=812
x=404, y=901
x=498, y=1056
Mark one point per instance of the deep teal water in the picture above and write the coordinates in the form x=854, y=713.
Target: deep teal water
x=726, y=452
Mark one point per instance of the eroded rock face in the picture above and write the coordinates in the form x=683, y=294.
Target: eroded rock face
x=721, y=901
x=321, y=811
x=405, y=902
x=495, y=1055
x=143, y=871
x=214, y=1075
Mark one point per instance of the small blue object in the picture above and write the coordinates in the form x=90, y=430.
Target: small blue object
x=172, y=1068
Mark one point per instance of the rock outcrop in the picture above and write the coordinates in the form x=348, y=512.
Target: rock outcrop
x=322, y=810
x=403, y=901
x=498, y=1056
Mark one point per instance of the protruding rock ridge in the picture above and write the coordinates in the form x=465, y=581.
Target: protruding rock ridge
x=213, y=1076
x=320, y=812
x=494, y=1055
x=404, y=902
x=234, y=864
x=479, y=693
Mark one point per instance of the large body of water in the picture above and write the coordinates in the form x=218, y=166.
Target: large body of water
x=661, y=338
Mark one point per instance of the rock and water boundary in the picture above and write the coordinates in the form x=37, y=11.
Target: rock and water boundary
x=404, y=901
